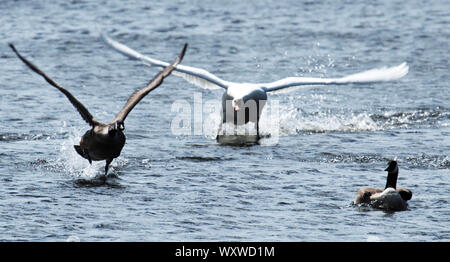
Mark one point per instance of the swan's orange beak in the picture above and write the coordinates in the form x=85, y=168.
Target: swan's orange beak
x=236, y=108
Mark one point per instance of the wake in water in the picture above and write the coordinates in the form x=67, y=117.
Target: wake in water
x=424, y=117
x=293, y=120
x=296, y=121
x=424, y=161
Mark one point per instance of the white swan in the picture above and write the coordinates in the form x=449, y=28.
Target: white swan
x=239, y=96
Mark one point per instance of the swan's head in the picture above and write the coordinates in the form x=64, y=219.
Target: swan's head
x=239, y=94
x=392, y=166
x=237, y=103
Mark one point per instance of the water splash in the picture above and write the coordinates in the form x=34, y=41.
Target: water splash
x=295, y=121
x=72, y=163
x=292, y=121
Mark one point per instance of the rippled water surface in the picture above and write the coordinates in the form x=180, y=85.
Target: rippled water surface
x=170, y=187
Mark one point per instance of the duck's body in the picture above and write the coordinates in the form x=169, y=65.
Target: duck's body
x=372, y=193
x=96, y=144
x=105, y=141
x=243, y=93
x=389, y=198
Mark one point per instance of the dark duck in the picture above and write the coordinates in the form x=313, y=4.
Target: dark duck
x=105, y=141
x=389, y=198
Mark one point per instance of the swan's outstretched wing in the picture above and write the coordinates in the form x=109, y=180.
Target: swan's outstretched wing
x=196, y=76
x=154, y=83
x=77, y=104
x=370, y=76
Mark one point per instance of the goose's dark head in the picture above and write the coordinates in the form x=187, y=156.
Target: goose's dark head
x=117, y=126
x=392, y=174
x=392, y=166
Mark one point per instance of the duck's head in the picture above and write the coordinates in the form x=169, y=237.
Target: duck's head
x=117, y=126
x=392, y=166
x=392, y=174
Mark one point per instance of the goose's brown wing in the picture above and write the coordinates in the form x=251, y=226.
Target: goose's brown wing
x=77, y=104
x=405, y=193
x=364, y=193
x=154, y=83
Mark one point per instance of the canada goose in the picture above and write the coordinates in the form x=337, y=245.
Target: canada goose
x=391, y=198
x=105, y=141
x=238, y=97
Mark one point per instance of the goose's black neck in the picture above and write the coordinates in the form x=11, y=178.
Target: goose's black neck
x=392, y=179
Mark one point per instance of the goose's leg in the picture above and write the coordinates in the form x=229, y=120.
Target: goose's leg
x=108, y=161
x=219, y=130
x=257, y=129
x=257, y=122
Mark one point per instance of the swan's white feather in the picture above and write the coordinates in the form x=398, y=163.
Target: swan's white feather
x=374, y=75
x=206, y=80
x=197, y=81
x=196, y=76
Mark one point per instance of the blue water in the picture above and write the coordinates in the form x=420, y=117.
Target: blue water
x=166, y=187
